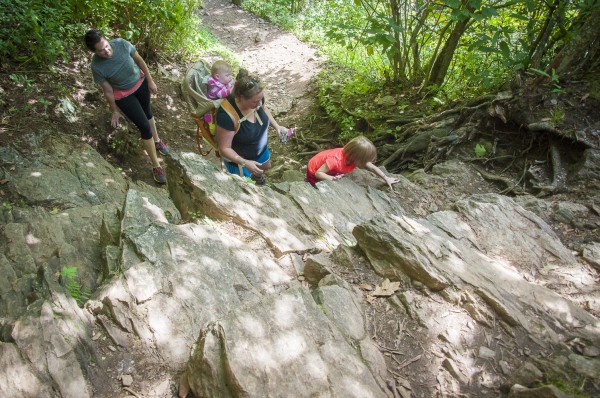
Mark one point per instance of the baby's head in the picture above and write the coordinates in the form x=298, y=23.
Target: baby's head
x=221, y=71
x=360, y=151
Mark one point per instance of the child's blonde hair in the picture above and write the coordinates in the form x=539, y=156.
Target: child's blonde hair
x=220, y=67
x=360, y=151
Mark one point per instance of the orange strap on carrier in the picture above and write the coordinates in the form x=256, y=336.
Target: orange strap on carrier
x=204, y=128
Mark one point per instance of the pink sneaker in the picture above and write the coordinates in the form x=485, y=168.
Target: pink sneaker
x=159, y=175
x=162, y=148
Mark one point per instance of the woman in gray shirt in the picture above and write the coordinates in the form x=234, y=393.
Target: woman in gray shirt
x=126, y=82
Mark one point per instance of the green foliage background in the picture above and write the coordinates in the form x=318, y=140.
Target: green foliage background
x=433, y=52
x=39, y=32
x=386, y=47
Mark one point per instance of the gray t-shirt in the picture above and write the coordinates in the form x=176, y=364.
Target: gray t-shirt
x=120, y=70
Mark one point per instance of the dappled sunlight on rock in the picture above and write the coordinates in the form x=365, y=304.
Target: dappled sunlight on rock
x=197, y=233
x=275, y=276
x=155, y=210
x=355, y=389
x=315, y=367
x=411, y=225
x=210, y=264
x=17, y=375
x=171, y=335
x=249, y=210
x=280, y=336
x=289, y=347
x=302, y=199
x=221, y=176
x=140, y=282
x=283, y=313
x=252, y=326
x=327, y=218
x=454, y=262
x=30, y=239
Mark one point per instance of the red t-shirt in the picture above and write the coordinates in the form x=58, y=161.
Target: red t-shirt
x=335, y=160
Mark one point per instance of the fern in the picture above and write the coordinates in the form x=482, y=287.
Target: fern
x=68, y=276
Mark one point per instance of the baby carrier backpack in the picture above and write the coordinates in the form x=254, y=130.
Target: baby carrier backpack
x=194, y=88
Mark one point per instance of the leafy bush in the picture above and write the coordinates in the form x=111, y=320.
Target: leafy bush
x=345, y=96
x=36, y=31
x=40, y=32
x=155, y=26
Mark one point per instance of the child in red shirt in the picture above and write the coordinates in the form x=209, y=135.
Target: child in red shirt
x=332, y=164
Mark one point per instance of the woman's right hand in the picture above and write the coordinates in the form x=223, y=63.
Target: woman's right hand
x=115, y=119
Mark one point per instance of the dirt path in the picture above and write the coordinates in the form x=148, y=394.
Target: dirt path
x=287, y=65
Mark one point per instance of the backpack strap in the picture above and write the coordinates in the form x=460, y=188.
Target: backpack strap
x=228, y=108
x=237, y=121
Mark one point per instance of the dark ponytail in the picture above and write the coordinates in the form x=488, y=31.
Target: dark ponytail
x=92, y=37
x=247, y=85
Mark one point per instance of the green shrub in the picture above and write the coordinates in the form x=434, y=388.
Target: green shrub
x=345, y=96
x=168, y=28
x=40, y=32
x=36, y=31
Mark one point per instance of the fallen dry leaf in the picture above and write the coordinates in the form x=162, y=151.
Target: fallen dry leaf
x=386, y=288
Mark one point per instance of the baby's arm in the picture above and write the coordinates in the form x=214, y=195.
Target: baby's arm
x=377, y=171
x=223, y=91
x=217, y=89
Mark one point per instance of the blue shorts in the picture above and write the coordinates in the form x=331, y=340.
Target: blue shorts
x=234, y=168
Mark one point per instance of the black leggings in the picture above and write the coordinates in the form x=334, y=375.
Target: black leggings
x=136, y=107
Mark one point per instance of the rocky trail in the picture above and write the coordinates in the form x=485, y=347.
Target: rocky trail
x=214, y=287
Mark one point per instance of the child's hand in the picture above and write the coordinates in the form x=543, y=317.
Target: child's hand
x=390, y=180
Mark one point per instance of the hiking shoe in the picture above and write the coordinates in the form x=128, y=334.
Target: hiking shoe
x=162, y=148
x=159, y=175
x=259, y=180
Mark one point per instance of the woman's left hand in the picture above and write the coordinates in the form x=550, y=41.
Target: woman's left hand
x=152, y=87
x=253, y=167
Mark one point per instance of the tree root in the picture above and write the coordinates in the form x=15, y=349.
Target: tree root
x=559, y=174
x=511, y=186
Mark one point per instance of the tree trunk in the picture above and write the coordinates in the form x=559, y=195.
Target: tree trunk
x=443, y=60
x=541, y=42
x=577, y=55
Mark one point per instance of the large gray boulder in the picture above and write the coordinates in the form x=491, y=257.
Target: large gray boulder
x=61, y=172
x=282, y=346
x=487, y=246
x=191, y=285
x=239, y=318
x=54, y=337
x=293, y=217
